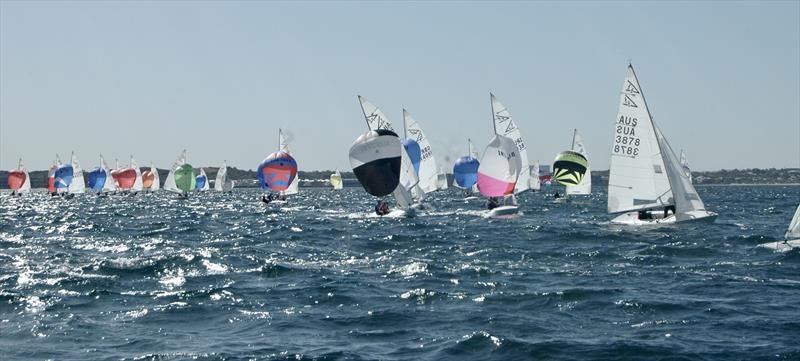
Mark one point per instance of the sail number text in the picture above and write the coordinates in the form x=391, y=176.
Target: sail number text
x=625, y=141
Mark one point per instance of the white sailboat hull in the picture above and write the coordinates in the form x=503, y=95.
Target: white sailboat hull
x=782, y=246
x=632, y=218
x=503, y=211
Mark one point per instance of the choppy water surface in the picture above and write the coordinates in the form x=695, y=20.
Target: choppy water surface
x=218, y=277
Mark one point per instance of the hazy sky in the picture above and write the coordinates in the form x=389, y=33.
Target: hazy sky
x=219, y=78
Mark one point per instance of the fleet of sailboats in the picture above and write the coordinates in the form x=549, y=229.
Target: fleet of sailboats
x=648, y=184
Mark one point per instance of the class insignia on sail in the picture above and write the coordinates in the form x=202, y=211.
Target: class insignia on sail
x=569, y=168
x=376, y=159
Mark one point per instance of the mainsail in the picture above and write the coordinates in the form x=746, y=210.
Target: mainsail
x=283, y=146
x=427, y=170
x=794, y=226
x=110, y=184
x=499, y=168
x=505, y=126
x=637, y=177
x=535, y=182
x=221, y=183
x=77, y=185
x=137, y=183
x=585, y=186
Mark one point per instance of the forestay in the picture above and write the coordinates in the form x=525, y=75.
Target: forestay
x=637, y=176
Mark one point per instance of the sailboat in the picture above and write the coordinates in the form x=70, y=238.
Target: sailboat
x=99, y=177
x=791, y=238
x=150, y=179
x=283, y=146
x=584, y=187
x=465, y=172
x=127, y=179
x=501, y=165
x=645, y=174
x=381, y=131
x=181, y=177
x=19, y=180
x=419, y=151
x=276, y=173
x=221, y=182
x=77, y=186
x=336, y=180
x=51, y=176
x=201, y=181
x=506, y=126
x=685, y=166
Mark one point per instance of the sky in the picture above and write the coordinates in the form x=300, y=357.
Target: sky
x=150, y=79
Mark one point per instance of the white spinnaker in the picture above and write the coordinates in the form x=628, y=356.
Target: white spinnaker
x=374, y=116
x=506, y=126
x=794, y=226
x=283, y=146
x=585, y=186
x=138, y=185
x=169, y=184
x=637, y=177
x=77, y=186
x=110, y=184
x=535, y=183
x=501, y=160
x=428, y=171
x=685, y=196
x=685, y=166
x=156, y=179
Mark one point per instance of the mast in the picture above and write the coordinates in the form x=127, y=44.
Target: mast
x=491, y=104
x=405, y=128
x=279, y=138
x=574, y=132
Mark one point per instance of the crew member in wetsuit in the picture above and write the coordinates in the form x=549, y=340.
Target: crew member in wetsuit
x=668, y=209
x=381, y=208
x=266, y=198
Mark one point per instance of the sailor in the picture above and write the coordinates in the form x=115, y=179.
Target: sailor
x=556, y=195
x=381, y=208
x=492, y=203
x=266, y=198
x=669, y=209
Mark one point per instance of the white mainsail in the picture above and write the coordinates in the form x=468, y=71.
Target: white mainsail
x=685, y=165
x=156, y=179
x=535, y=182
x=793, y=233
x=428, y=171
x=585, y=186
x=138, y=185
x=26, y=185
x=221, y=182
x=77, y=186
x=169, y=184
x=283, y=146
x=506, y=126
x=637, y=177
x=110, y=184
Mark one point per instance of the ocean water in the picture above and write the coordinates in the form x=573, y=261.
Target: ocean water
x=220, y=277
